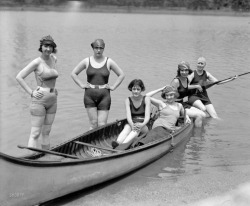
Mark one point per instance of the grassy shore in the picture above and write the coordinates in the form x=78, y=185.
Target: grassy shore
x=116, y=9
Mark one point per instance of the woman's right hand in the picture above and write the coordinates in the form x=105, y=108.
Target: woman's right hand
x=199, y=87
x=37, y=94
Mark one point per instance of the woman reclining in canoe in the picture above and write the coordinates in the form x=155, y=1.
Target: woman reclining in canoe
x=137, y=112
x=169, y=111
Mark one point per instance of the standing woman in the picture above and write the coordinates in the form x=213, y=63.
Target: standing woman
x=44, y=97
x=181, y=84
x=97, y=98
x=197, y=79
x=137, y=112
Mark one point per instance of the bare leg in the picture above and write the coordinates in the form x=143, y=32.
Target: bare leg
x=211, y=111
x=125, y=132
x=131, y=136
x=36, y=128
x=92, y=114
x=102, y=117
x=49, y=119
x=134, y=134
x=197, y=114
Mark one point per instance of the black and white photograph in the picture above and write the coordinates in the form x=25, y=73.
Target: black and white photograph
x=124, y=102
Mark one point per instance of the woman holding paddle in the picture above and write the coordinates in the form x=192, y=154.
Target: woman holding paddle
x=199, y=98
x=181, y=84
x=97, y=99
x=199, y=79
x=44, y=98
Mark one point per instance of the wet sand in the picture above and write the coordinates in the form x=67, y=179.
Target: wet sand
x=172, y=187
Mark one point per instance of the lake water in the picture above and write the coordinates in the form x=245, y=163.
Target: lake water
x=145, y=46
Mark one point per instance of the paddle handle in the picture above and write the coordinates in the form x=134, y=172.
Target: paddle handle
x=210, y=85
x=47, y=152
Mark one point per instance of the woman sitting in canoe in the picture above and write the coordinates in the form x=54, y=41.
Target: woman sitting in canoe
x=199, y=98
x=181, y=84
x=137, y=112
x=169, y=111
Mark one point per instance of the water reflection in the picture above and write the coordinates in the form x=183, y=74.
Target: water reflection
x=187, y=157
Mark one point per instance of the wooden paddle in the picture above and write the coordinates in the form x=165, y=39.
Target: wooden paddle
x=98, y=147
x=48, y=152
x=221, y=81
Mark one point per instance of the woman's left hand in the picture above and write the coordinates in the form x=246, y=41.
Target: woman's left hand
x=137, y=127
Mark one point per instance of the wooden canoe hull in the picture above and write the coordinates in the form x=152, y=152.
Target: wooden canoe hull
x=29, y=182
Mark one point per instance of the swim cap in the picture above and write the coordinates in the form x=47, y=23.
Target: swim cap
x=168, y=89
x=201, y=59
x=48, y=40
x=183, y=64
x=98, y=43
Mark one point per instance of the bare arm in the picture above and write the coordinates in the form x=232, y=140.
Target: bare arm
x=158, y=103
x=128, y=113
x=150, y=94
x=175, y=83
x=77, y=70
x=31, y=67
x=211, y=78
x=193, y=86
x=147, y=111
x=182, y=112
x=118, y=71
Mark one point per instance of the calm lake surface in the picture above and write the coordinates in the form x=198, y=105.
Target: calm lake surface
x=145, y=46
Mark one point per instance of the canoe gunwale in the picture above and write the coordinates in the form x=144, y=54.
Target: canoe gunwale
x=37, y=163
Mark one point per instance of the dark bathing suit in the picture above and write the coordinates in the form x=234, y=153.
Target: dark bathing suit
x=137, y=114
x=183, y=92
x=203, y=96
x=95, y=97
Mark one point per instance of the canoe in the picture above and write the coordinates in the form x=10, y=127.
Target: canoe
x=41, y=177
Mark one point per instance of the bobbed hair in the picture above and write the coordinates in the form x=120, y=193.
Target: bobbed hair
x=136, y=82
x=182, y=65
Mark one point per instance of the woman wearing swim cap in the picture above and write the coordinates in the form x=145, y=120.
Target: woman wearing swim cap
x=44, y=97
x=181, y=84
x=199, y=98
x=97, y=99
x=169, y=112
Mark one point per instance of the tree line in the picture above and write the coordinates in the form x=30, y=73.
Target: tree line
x=236, y=5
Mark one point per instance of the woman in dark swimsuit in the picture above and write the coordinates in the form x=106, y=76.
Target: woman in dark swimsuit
x=138, y=113
x=181, y=84
x=44, y=97
x=200, y=99
x=97, y=98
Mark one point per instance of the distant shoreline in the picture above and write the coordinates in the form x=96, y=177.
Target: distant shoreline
x=132, y=10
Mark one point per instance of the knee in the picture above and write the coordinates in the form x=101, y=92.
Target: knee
x=93, y=123
x=46, y=130
x=35, y=134
x=202, y=115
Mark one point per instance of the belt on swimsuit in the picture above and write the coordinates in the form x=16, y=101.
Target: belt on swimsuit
x=50, y=90
x=97, y=86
